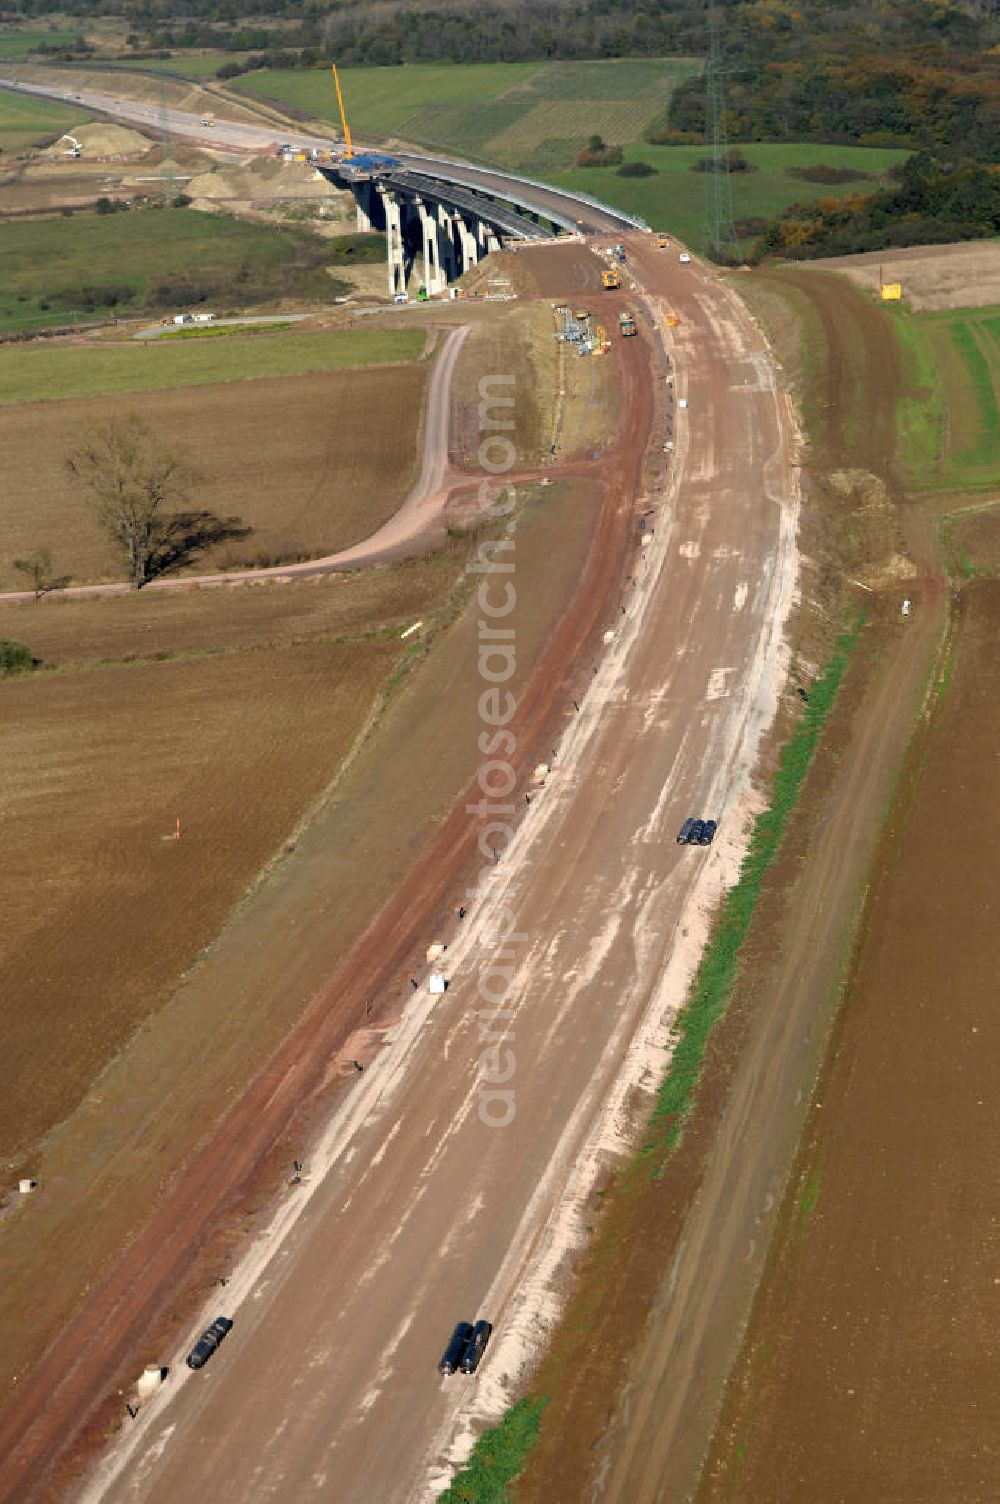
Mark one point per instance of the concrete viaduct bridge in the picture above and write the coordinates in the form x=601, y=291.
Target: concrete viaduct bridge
x=451, y=213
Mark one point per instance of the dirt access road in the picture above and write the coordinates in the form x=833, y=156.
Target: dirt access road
x=414, y=520
x=416, y=1211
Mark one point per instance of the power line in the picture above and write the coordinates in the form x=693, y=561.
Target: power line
x=720, y=233
x=167, y=166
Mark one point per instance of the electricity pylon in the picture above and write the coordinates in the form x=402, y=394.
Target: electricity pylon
x=167, y=165
x=720, y=234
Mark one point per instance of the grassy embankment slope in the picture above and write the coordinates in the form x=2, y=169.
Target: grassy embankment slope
x=58, y=270
x=24, y=120
x=950, y=421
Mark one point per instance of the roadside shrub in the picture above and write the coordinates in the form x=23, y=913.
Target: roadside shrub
x=636, y=170
x=821, y=173
x=356, y=248
x=735, y=161
x=15, y=658
x=605, y=156
x=670, y=137
x=90, y=296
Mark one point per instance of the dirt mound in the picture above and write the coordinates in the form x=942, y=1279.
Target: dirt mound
x=261, y=179
x=97, y=140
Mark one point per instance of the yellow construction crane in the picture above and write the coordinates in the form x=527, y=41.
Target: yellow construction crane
x=349, y=152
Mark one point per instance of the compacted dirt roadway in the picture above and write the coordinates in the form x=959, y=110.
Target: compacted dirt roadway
x=416, y=1213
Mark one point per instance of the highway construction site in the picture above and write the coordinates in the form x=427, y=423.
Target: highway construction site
x=332, y=1128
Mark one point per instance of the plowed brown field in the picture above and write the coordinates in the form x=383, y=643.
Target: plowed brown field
x=293, y=456
x=99, y=908
x=872, y=1369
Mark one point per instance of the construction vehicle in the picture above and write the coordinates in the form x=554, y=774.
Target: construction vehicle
x=610, y=279
x=662, y=240
x=626, y=323
x=348, y=148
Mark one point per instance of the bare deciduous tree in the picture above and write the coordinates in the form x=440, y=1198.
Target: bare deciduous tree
x=134, y=479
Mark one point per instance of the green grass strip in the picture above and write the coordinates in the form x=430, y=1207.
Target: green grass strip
x=498, y=1457
x=715, y=976
x=981, y=377
x=920, y=410
x=29, y=373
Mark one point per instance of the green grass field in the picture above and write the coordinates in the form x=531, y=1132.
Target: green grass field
x=23, y=120
x=31, y=373
x=185, y=64
x=523, y=115
x=52, y=261
x=18, y=44
x=949, y=424
x=674, y=198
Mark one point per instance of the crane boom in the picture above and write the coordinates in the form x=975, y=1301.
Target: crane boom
x=343, y=118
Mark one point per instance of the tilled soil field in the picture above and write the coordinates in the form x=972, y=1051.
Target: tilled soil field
x=292, y=456
x=100, y=907
x=872, y=1369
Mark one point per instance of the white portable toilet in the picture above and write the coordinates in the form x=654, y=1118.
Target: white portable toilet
x=437, y=983
x=149, y=1382
x=26, y=1186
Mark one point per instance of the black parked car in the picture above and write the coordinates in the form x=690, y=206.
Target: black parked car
x=208, y=1342
x=455, y=1351
x=695, y=833
x=708, y=832
x=476, y=1346
x=684, y=834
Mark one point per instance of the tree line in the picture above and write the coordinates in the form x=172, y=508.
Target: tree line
x=862, y=101
x=934, y=202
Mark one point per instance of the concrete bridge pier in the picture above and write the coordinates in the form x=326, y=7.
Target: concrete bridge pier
x=395, y=249
x=435, y=279
x=363, y=195
x=446, y=242
x=468, y=245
